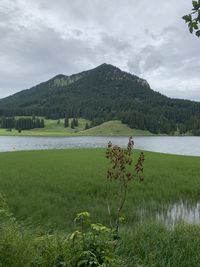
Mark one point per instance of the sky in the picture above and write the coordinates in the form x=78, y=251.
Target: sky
x=42, y=38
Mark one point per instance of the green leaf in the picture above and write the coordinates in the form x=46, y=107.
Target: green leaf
x=198, y=33
x=191, y=29
x=195, y=25
x=122, y=220
x=74, y=235
x=195, y=5
x=187, y=18
x=190, y=26
x=82, y=263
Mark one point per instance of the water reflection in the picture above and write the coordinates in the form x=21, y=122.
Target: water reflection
x=180, y=212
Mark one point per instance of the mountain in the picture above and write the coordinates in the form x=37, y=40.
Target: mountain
x=102, y=94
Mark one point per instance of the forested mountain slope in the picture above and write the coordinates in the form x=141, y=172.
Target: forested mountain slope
x=102, y=94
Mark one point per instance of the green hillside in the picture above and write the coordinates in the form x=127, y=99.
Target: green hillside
x=113, y=128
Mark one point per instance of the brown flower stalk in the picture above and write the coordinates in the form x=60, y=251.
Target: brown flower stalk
x=122, y=170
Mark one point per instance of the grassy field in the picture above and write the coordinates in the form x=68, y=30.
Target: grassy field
x=47, y=188
x=112, y=128
x=52, y=128
x=50, y=187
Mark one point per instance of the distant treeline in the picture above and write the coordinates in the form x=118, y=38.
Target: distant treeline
x=21, y=123
x=160, y=124
x=74, y=122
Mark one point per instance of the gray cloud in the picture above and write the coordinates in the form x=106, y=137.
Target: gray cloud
x=40, y=39
x=149, y=58
x=112, y=43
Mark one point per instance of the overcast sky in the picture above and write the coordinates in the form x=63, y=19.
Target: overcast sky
x=42, y=38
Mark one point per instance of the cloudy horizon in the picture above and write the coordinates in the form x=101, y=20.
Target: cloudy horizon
x=40, y=39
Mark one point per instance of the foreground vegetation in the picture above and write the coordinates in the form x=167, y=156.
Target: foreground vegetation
x=90, y=245
x=152, y=245
x=46, y=189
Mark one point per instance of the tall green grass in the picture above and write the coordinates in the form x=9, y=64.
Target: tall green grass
x=155, y=245
x=48, y=188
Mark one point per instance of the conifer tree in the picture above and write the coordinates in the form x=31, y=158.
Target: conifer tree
x=42, y=123
x=66, y=122
x=72, y=124
x=86, y=126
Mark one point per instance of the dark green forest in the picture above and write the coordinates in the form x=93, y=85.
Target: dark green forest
x=21, y=123
x=102, y=94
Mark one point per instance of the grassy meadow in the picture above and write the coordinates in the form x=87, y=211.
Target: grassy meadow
x=115, y=128
x=50, y=187
x=46, y=189
x=52, y=128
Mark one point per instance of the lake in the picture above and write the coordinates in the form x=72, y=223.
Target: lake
x=186, y=145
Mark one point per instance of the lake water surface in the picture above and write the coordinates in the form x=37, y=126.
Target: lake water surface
x=173, y=145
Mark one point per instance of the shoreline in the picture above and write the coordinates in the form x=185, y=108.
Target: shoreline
x=88, y=135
